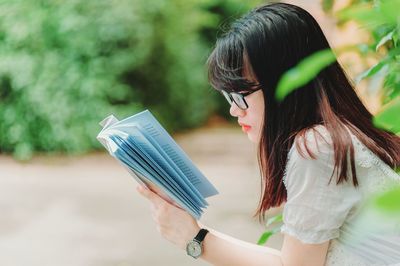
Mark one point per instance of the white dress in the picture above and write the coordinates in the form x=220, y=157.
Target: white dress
x=316, y=211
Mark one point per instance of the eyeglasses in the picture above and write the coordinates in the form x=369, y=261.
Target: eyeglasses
x=238, y=98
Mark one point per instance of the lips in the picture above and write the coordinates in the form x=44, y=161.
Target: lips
x=245, y=127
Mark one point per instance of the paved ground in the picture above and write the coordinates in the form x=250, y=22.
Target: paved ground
x=84, y=211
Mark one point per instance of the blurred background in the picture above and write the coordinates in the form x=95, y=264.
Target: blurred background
x=65, y=65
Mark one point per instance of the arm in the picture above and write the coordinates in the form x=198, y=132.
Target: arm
x=178, y=227
x=220, y=249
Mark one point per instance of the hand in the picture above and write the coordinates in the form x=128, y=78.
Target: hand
x=173, y=223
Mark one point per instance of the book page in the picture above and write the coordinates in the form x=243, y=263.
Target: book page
x=147, y=122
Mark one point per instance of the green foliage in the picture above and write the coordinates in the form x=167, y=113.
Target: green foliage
x=59, y=71
x=372, y=14
x=389, y=116
x=267, y=234
x=303, y=73
x=382, y=19
x=64, y=66
x=388, y=202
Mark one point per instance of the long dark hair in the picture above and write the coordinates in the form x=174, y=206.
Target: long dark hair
x=274, y=38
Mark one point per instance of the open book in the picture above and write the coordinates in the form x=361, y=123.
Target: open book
x=154, y=159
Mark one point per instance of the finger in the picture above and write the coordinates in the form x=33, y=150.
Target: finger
x=144, y=191
x=154, y=197
x=176, y=205
x=147, y=193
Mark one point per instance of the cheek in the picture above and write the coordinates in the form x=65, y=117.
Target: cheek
x=259, y=121
x=259, y=118
x=256, y=112
x=258, y=130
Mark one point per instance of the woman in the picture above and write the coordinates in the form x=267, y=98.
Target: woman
x=318, y=150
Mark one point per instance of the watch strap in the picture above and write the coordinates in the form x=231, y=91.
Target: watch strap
x=201, y=235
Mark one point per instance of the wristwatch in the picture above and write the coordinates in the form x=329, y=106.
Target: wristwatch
x=195, y=247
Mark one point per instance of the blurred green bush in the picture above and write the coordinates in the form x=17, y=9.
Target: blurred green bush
x=65, y=65
x=381, y=20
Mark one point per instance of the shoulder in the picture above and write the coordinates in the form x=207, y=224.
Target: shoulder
x=311, y=157
x=312, y=143
x=316, y=207
x=317, y=143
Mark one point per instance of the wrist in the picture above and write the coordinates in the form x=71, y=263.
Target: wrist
x=189, y=234
x=192, y=233
x=194, y=247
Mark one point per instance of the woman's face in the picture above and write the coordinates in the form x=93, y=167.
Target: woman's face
x=251, y=119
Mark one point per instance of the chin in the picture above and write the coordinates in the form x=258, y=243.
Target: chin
x=252, y=138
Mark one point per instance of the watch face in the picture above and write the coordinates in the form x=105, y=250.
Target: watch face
x=193, y=249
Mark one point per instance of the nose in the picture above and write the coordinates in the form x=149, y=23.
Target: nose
x=235, y=111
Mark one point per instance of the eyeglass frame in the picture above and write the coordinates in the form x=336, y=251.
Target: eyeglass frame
x=229, y=97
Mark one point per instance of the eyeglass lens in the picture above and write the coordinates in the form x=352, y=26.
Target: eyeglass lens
x=237, y=98
x=227, y=97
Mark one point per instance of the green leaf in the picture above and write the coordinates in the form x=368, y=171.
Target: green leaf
x=304, y=72
x=274, y=219
x=390, y=10
x=389, y=117
x=363, y=13
x=372, y=70
x=384, y=40
x=372, y=16
x=266, y=235
x=388, y=202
